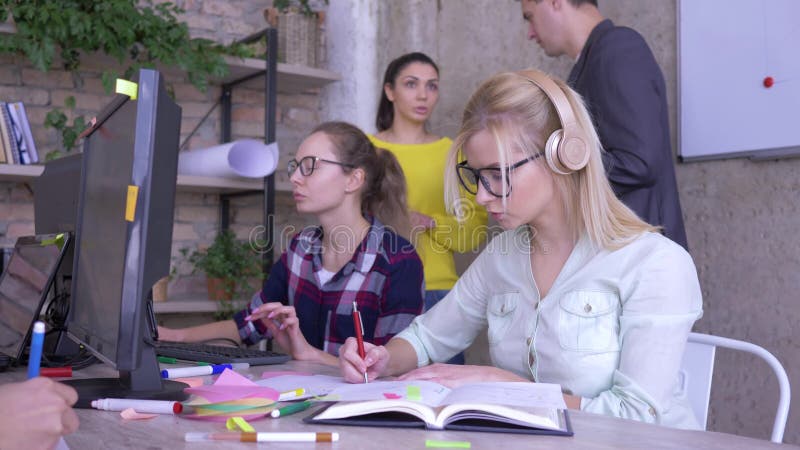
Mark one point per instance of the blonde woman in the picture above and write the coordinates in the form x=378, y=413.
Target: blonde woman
x=357, y=193
x=578, y=291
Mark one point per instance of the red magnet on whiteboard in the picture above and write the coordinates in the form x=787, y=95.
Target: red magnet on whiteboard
x=768, y=82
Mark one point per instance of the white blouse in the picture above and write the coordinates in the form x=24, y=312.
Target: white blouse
x=612, y=328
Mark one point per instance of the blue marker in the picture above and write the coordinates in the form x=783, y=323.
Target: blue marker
x=195, y=371
x=35, y=356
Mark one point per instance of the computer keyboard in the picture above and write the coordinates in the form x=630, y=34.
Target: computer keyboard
x=218, y=354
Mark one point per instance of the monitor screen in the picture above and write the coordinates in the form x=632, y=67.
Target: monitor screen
x=103, y=240
x=123, y=236
x=24, y=287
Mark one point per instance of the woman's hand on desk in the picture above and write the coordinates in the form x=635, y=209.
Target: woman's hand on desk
x=453, y=375
x=36, y=413
x=282, y=322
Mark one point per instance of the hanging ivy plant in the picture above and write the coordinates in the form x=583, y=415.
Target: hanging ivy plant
x=138, y=34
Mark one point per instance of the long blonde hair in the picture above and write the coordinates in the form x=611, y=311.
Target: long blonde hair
x=519, y=115
x=384, y=192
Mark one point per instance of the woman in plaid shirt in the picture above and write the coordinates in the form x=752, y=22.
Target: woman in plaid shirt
x=357, y=254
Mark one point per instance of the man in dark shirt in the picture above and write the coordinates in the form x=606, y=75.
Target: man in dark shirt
x=624, y=90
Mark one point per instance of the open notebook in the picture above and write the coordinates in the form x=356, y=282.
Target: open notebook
x=533, y=408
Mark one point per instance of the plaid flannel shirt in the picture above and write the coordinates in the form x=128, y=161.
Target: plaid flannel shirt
x=384, y=277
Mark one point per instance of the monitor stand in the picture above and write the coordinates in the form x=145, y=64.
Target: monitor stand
x=143, y=383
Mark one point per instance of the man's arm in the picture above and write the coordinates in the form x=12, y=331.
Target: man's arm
x=627, y=99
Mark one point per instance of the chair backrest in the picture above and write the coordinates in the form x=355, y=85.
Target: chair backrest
x=697, y=369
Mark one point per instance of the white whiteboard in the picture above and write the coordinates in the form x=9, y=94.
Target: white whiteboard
x=726, y=49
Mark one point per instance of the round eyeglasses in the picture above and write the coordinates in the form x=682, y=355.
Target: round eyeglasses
x=308, y=164
x=490, y=177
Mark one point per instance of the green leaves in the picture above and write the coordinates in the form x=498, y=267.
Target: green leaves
x=139, y=33
x=228, y=259
x=136, y=33
x=58, y=120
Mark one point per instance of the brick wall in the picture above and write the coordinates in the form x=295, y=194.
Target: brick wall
x=196, y=214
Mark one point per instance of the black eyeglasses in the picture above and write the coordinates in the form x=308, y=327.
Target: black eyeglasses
x=308, y=164
x=491, y=177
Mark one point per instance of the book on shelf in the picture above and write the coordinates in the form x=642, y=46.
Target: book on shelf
x=18, y=110
x=17, y=139
x=503, y=407
x=5, y=129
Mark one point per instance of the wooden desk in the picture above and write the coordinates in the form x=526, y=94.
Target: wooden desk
x=105, y=429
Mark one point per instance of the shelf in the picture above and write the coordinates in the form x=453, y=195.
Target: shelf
x=192, y=306
x=186, y=183
x=292, y=79
x=19, y=173
x=194, y=183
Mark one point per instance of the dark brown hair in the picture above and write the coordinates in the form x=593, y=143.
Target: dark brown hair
x=384, y=192
x=385, y=116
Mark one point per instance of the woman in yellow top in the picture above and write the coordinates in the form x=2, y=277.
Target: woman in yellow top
x=410, y=92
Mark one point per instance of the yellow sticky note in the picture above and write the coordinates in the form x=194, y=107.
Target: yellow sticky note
x=237, y=422
x=413, y=393
x=128, y=88
x=130, y=205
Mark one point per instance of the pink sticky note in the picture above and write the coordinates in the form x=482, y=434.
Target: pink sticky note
x=280, y=373
x=392, y=395
x=232, y=386
x=131, y=414
x=232, y=378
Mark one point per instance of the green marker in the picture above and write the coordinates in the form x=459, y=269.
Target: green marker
x=430, y=443
x=167, y=360
x=291, y=409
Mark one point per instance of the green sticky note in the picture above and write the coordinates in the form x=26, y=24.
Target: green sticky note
x=430, y=443
x=413, y=393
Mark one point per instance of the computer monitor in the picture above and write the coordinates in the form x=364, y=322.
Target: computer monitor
x=24, y=288
x=123, y=239
x=55, y=205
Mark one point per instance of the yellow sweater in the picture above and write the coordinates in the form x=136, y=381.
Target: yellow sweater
x=423, y=166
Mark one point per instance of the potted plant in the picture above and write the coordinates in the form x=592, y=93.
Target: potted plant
x=299, y=31
x=229, y=265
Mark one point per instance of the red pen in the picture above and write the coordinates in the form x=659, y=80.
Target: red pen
x=57, y=372
x=359, y=335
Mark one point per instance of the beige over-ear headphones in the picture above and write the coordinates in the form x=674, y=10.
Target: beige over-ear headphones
x=567, y=149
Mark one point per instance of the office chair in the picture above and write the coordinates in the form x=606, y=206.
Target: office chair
x=697, y=368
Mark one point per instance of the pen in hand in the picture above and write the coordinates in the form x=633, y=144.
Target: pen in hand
x=359, y=335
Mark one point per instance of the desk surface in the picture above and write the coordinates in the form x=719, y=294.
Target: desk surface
x=105, y=429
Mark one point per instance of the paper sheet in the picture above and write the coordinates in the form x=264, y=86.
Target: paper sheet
x=424, y=392
x=315, y=385
x=523, y=394
x=246, y=158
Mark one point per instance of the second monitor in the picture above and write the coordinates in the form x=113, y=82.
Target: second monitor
x=123, y=239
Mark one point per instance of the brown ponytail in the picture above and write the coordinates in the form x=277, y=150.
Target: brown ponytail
x=384, y=192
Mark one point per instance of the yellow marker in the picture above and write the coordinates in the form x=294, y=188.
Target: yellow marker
x=130, y=206
x=413, y=393
x=128, y=88
x=235, y=423
x=289, y=395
